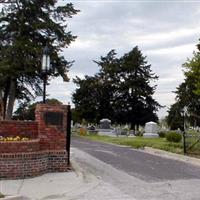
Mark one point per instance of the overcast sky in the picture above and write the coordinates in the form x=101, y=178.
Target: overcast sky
x=166, y=31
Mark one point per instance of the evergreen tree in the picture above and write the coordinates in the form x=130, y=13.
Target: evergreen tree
x=86, y=98
x=25, y=28
x=108, y=85
x=121, y=91
x=135, y=103
x=175, y=117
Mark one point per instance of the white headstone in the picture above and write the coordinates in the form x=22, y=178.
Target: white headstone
x=151, y=129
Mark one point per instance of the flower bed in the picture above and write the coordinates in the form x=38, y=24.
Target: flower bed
x=13, y=139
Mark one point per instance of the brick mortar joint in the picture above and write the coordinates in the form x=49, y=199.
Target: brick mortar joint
x=43, y=152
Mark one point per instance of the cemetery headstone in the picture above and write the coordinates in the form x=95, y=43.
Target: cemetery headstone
x=105, y=128
x=105, y=124
x=151, y=130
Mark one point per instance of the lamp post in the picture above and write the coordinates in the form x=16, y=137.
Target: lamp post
x=45, y=69
x=130, y=108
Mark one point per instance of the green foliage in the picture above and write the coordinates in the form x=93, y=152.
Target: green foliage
x=26, y=111
x=162, y=134
x=84, y=122
x=76, y=116
x=187, y=95
x=175, y=117
x=173, y=137
x=192, y=71
x=120, y=91
x=86, y=98
x=25, y=28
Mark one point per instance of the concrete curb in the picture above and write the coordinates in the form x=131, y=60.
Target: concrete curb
x=174, y=156
x=76, y=168
x=14, y=198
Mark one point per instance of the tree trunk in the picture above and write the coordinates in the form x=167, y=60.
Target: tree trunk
x=11, y=99
x=5, y=97
x=133, y=126
x=1, y=105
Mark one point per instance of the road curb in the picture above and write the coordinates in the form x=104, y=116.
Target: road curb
x=15, y=198
x=174, y=156
x=76, y=168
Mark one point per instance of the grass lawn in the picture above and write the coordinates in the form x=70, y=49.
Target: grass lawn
x=140, y=142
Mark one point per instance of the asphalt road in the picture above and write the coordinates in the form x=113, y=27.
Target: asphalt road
x=136, y=163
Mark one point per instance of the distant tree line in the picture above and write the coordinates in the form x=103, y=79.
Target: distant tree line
x=121, y=91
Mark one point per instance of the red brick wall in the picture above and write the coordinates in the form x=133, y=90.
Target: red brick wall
x=20, y=146
x=45, y=152
x=19, y=128
x=24, y=165
x=52, y=137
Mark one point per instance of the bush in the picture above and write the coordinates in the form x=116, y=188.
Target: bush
x=162, y=134
x=173, y=137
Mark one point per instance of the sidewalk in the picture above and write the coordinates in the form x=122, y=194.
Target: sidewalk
x=82, y=184
x=52, y=186
x=76, y=184
x=47, y=186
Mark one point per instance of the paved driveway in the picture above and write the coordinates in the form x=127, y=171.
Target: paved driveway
x=136, y=174
x=136, y=163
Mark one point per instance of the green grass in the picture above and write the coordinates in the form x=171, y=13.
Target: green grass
x=140, y=142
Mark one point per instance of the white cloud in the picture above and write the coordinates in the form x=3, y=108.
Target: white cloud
x=160, y=37
x=181, y=50
x=165, y=31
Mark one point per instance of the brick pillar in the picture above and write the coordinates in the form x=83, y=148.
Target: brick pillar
x=52, y=124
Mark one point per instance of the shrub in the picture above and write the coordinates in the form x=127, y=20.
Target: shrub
x=162, y=134
x=173, y=137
